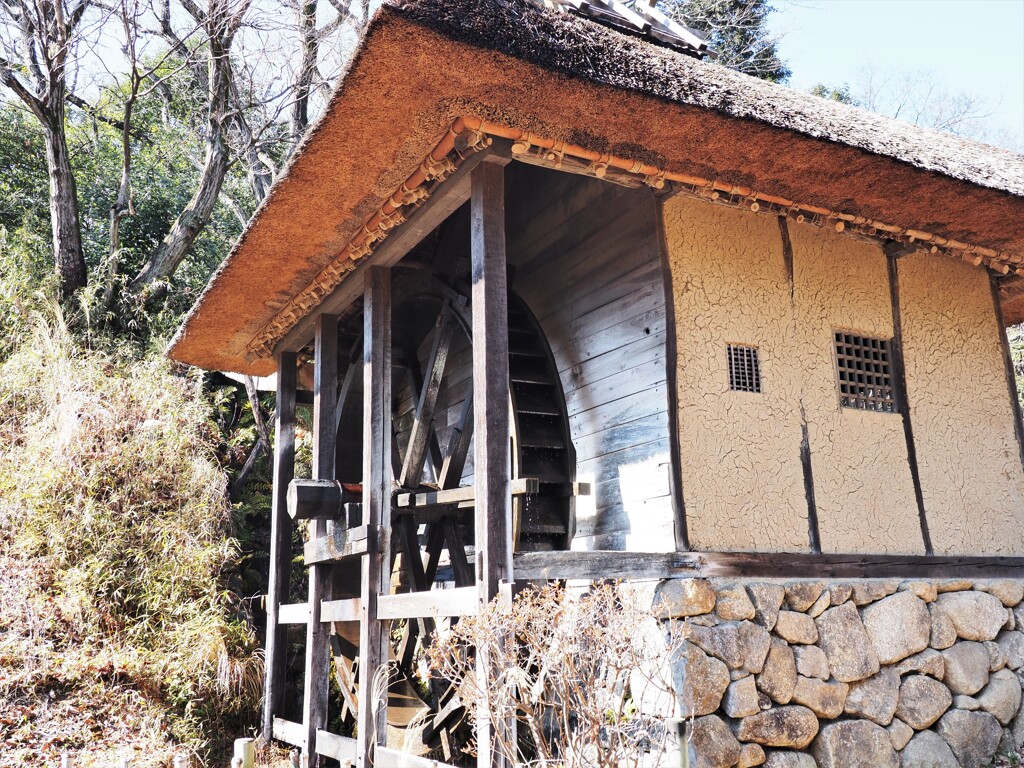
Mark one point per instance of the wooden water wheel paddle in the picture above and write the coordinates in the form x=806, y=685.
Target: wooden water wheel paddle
x=433, y=543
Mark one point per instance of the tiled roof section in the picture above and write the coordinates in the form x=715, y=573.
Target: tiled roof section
x=638, y=18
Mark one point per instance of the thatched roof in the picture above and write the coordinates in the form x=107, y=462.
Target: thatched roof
x=423, y=63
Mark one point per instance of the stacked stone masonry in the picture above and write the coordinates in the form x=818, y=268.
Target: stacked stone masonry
x=860, y=674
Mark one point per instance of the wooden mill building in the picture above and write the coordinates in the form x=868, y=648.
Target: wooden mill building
x=560, y=292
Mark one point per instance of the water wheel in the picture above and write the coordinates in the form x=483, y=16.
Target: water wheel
x=432, y=424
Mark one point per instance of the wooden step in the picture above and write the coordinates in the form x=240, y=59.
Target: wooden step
x=542, y=462
x=525, y=348
x=526, y=371
x=540, y=432
x=536, y=400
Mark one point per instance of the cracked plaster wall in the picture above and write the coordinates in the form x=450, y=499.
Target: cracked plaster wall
x=967, y=452
x=862, y=482
x=740, y=452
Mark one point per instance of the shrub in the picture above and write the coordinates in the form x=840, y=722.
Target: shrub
x=562, y=666
x=115, y=535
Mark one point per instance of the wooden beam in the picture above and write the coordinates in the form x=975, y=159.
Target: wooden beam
x=415, y=378
x=899, y=380
x=377, y=479
x=599, y=565
x=293, y=613
x=340, y=610
x=679, y=528
x=280, y=540
x=458, y=445
x=434, y=603
x=456, y=553
x=337, y=544
x=318, y=650
x=806, y=460
x=449, y=196
x=351, y=372
x=288, y=732
x=340, y=748
x=519, y=487
x=490, y=379
x=423, y=425
x=325, y=396
x=316, y=499
x=492, y=456
x=604, y=565
x=393, y=758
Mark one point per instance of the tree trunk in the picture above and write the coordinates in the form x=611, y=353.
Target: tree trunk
x=164, y=260
x=67, y=234
x=306, y=12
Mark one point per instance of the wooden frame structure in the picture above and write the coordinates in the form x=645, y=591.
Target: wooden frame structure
x=480, y=180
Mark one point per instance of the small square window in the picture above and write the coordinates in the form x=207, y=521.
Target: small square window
x=864, y=367
x=744, y=368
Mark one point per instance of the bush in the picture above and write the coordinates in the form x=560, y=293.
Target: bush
x=562, y=666
x=115, y=538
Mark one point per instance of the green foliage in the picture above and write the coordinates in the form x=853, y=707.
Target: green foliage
x=23, y=184
x=737, y=31
x=167, y=154
x=841, y=93
x=114, y=514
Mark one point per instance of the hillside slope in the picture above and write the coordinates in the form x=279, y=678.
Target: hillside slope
x=118, y=636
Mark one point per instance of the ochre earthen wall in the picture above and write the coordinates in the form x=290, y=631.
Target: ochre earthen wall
x=967, y=452
x=863, y=487
x=739, y=452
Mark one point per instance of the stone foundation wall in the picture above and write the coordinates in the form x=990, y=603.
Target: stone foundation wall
x=878, y=673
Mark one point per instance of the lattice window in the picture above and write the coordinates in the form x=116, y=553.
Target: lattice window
x=864, y=367
x=744, y=368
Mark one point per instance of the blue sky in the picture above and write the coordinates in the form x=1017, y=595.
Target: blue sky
x=975, y=46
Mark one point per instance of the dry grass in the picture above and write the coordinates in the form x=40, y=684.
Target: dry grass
x=117, y=637
x=562, y=666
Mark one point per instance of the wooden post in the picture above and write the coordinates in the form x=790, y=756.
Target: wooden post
x=492, y=459
x=280, y=540
x=318, y=660
x=899, y=380
x=1011, y=379
x=377, y=485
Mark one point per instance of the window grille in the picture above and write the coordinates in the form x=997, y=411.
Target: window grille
x=744, y=368
x=864, y=366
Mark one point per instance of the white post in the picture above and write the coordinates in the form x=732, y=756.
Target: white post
x=245, y=750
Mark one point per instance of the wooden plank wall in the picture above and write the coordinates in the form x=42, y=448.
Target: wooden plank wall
x=587, y=263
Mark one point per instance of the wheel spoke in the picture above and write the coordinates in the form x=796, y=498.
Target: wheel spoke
x=415, y=455
x=458, y=445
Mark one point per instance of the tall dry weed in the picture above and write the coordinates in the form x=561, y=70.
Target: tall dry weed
x=563, y=666
x=115, y=532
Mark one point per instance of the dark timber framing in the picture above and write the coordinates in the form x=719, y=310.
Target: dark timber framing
x=682, y=532
x=899, y=376
x=280, y=540
x=806, y=465
x=1011, y=380
x=788, y=565
x=377, y=479
x=318, y=661
x=441, y=204
x=492, y=458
